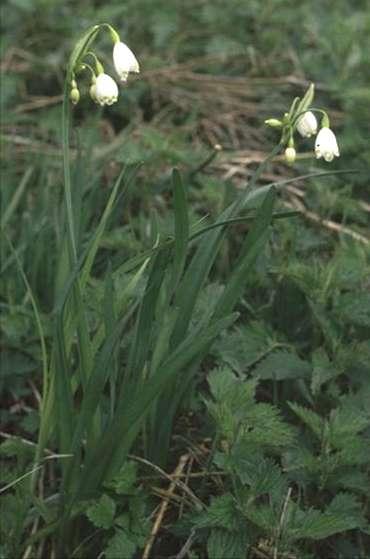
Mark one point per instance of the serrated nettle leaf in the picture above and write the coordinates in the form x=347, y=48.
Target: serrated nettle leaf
x=323, y=370
x=263, y=425
x=244, y=346
x=343, y=513
x=224, y=385
x=223, y=543
x=281, y=365
x=221, y=513
x=124, y=482
x=120, y=546
x=347, y=421
x=101, y=513
x=310, y=418
x=262, y=475
x=262, y=516
x=351, y=479
x=354, y=310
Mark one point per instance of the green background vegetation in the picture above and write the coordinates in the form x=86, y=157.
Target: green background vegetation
x=270, y=423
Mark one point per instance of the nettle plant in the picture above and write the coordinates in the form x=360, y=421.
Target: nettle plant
x=127, y=347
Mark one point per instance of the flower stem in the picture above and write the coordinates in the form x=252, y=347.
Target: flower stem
x=66, y=113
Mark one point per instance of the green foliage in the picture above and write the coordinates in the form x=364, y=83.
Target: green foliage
x=264, y=494
x=121, y=516
x=281, y=365
x=195, y=316
x=101, y=513
x=240, y=418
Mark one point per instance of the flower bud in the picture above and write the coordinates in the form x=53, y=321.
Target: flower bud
x=290, y=155
x=74, y=95
x=274, y=123
x=105, y=91
x=93, y=92
x=307, y=124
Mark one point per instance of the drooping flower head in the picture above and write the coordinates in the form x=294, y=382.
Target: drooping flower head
x=105, y=90
x=290, y=155
x=301, y=118
x=326, y=145
x=124, y=61
x=307, y=124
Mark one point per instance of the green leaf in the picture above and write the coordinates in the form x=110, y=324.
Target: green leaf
x=281, y=365
x=124, y=482
x=81, y=47
x=354, y=310
x=101, y=513
x=323, y=370
x=262, y=475
x=126, y=176
x=221, y=513
x=310, y=418
x=306, y=101
x=222, y=544
x=141, y=342
x=347, y=421
x=120, y=546
x=243, y=346
x=181, y=226
x=135, y=403
x=344, y=513
x=225, y=387
x=251, y=249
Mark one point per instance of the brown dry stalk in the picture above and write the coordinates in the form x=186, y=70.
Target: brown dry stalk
x=162, y=509
x=296, y=204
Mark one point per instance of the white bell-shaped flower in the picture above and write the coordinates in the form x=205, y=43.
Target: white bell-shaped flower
x=106, y=90
x=290, y=155
x=124, y=61
x=326, y=144
x=307, y=124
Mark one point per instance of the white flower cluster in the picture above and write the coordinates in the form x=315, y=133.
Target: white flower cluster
x=326, y=145
x=104, y=89
x=301, y=118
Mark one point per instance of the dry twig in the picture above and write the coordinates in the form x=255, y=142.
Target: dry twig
x=162, y=509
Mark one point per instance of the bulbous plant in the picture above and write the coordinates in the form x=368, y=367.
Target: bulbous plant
x=103, y=90
x=301, y=118
x=167, y=341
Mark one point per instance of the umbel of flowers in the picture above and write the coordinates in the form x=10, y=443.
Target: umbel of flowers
x=103, y=88
x=301, y=118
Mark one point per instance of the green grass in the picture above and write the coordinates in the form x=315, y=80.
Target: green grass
x=168, y=306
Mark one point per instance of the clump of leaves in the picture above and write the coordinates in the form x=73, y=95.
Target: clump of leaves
x=266, y=505
x=120, y=515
